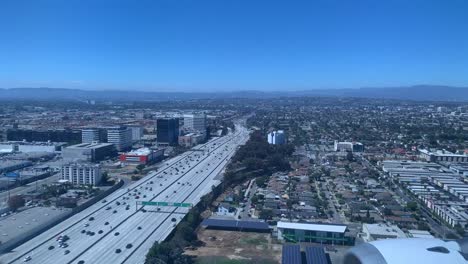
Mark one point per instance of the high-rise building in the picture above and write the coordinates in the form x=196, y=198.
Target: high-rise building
x=167, y=131
x=276, y=137
x=137, y=132
x=195, y=123
x=121, y=137
x=90, y=135
x=81, y=173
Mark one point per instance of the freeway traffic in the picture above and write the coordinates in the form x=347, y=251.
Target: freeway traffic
x=117, y=229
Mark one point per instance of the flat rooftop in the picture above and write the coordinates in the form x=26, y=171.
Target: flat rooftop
x=441, y=153
x=139, y=152
x=384, y=230
x=313, y=227
x=89, y=145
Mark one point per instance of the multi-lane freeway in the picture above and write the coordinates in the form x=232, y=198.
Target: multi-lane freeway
x=116, y=230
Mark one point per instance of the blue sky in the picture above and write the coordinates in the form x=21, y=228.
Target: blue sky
x=198, y=45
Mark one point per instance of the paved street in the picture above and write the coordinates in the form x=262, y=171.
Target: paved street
x=30, y=187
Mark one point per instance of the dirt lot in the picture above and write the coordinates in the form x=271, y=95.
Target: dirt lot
x=231, y=247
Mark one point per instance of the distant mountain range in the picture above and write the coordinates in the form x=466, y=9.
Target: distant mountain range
x=418, y=93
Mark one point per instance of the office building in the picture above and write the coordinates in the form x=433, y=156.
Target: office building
x=90, y=135
x=348, y=146
x=59, y=135
x=137, y=132
x=195, y=123
x=358, y=147
x=191, y=139
x=313, y=233
x=81, y=173
x=167, y=130
x=121, y=137
x=91, y=152
x=276, y=137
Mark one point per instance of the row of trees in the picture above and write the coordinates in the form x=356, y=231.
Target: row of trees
x=171, y=251
x=258, y=158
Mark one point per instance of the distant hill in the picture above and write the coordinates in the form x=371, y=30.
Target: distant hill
x=418, y=93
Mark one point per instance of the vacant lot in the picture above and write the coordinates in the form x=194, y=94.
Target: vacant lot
x=231, y=247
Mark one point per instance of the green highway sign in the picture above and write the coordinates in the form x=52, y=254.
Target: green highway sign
x=150, y=203
x=166, y=204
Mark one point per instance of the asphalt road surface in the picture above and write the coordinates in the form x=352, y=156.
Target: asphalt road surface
x=117, y=223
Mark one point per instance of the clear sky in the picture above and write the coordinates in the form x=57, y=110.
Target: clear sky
x=198, y=45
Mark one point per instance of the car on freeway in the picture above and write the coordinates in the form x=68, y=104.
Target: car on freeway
x=26, y=259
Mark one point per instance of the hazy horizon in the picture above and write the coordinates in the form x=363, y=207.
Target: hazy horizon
x=236, y=90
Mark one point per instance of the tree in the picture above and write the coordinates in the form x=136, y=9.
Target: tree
x=254, y=199
x=261, y=181
x=135, y=178
x=15, y=202
x=266, y=214
x=140, y=167
x=412, y=206
x=186, y=232
x=105, y=178
x=460, y=230
x=387, y=211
